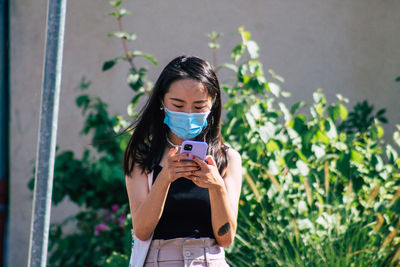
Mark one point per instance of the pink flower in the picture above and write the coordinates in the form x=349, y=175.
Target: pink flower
x=101, y=227
x=107, y=218
x=121, y=220
x=114, y=208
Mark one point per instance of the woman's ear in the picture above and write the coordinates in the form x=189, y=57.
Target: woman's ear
x=161, y=104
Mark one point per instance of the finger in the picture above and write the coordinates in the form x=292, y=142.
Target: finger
x=210, y=160
x=172, y=151
x=179, y=156
x=187, y=174
x=186, y=169
x=194, y=178
x=201, y=163
x=183, y=164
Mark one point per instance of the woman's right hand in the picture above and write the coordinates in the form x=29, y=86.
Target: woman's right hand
x=176, y=168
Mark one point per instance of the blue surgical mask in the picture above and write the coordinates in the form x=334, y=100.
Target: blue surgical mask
x=185, y=125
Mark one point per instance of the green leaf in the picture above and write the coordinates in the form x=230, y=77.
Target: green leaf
x=213, y=46
x=230, y=125
x=285, y=111
x=272, y=146
x=255, y=111
x=146, y=56
x=380, y=131
x=229, y=66
x=244, y=34
x=133, y=78
x=123, y=35
x=356, y=156
x=330, y=128
x=273, y=169
x=109, y=64
x=274, y=88
x=319, y=98
x=252, y=49
x=304, y=224
x=391, y=153
x=398, y=163
x=318, y=150
x=250, y=120
x=396, y=137
x=377, y=162
x=296, y=106
x=376, y=132
x=116, y=3
x=267, y=131
x=84, y=85
x=237, y=52
x=343, y=112
x=334, y=112
x=303, y=168
x=299, y=124
x=122, y=12
x=136, y=98
x=82, y=100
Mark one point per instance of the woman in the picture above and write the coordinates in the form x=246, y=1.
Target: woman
x=190, y=212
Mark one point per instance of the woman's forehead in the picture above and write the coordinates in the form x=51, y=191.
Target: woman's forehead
x=188, y=90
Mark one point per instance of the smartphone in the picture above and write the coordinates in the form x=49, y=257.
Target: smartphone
x=194, y=148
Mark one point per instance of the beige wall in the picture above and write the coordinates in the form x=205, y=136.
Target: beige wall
x=348, y=47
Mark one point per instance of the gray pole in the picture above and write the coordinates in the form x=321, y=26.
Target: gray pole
x=47, y=133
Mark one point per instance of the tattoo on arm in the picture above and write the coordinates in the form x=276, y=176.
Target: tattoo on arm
x=224, y=229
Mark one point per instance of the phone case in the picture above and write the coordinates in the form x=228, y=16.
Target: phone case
x=198, y=149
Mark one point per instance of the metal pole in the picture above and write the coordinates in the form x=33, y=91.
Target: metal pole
x=47, y=133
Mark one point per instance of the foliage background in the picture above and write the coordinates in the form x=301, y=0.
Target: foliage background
x=105, y=160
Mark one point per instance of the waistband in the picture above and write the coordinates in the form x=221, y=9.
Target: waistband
x=205, y=249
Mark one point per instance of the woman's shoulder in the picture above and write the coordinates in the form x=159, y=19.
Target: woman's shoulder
x=234, y=164
x=232, y=154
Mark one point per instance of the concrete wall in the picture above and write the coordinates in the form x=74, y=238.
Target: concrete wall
x=348, y=47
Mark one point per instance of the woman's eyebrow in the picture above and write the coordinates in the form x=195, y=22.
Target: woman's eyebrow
x=177, y=99
x=183, y=101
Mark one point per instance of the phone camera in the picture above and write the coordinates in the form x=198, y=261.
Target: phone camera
x=188, y=147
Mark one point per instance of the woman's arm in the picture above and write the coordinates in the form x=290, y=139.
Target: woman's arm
x=147, y=206
x=224, y=195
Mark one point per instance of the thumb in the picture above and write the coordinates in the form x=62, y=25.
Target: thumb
x=172, y=151
x=210, y=160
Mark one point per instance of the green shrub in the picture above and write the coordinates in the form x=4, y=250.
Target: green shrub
x=315, y=196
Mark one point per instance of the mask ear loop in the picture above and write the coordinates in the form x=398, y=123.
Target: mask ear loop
x=212, y=118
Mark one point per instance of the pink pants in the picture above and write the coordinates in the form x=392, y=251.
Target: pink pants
x=185, y=252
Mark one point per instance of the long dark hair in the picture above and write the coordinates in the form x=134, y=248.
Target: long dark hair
x=147, y=143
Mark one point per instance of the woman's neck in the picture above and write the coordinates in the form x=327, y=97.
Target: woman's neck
x=175, y=140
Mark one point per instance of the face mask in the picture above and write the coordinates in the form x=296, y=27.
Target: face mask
x=185, y=125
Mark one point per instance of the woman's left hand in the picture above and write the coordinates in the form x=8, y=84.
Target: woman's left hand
x=208, y=175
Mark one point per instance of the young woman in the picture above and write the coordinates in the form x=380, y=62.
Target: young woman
x=190, y=212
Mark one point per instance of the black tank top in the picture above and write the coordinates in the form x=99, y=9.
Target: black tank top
x=187, y=211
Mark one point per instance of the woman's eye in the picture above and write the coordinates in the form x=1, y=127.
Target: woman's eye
x=178, y=106
x=200, y=107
